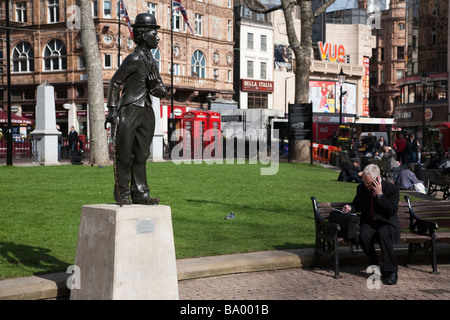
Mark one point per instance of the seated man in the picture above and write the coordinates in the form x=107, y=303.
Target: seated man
x=407, y=178
x=377, y=200
x=350, y=172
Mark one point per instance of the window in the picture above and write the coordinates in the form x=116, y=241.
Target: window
x=53, y=11
x=55, y=56
x=440, y=89
x=94, y=8
x=263, y=70
x=106, y=8
x=198, y=62
x=23, y=58
x=177, y=23
x=249, y=40
x=382, y=54
x=157, y=56
x=107, y=61
x=21, y=12
x=198, y=24
x=401, y=26
x=257, y=101
x=411, y=92
x=229, y=31
x=247, y=13
x=249, y=69
x=263, y=43
x=230, y=76
x=81, y=63
x=216, y=73
x=400, y=74
x=381, y=76
x=433, y=36
x=373, y=79
x=176, y=69
x=400, y=53
x=151, y=8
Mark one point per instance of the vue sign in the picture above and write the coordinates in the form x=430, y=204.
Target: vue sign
x=334, y=52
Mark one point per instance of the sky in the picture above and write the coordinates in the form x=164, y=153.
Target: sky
x=343, y=4
x=351, y=4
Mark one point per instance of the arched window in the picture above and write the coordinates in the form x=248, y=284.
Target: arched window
x=55, y=56
x=157, y=55
x=198, y=62
x=23, y=58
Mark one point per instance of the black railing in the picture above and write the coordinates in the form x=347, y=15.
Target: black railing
x=24, y=150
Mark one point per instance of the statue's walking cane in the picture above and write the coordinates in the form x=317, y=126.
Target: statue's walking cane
x=116, y=179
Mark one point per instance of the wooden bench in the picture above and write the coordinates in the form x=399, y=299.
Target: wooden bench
x=419, y=221
x=430, y=219
x=438, y=182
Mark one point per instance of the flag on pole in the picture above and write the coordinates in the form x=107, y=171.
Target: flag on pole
x=177, y=5
x=124, y=14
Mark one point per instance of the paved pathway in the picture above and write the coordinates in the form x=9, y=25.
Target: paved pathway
x=415, y=283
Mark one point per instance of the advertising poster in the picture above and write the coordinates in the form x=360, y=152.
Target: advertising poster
x=348, y=98
x=322, y=95
x=283, y=58
x=365, y=106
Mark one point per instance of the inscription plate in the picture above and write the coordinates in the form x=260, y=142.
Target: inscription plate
x=145, y=226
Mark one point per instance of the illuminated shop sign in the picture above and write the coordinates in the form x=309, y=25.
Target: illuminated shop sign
x=332, y=52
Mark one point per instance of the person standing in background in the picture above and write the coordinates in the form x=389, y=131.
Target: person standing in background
x=73, y=141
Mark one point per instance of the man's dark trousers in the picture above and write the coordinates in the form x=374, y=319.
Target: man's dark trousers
x=384, y=236
x=134, y=136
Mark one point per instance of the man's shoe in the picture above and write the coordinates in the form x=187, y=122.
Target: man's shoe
x=146, y=200
x=391, y=278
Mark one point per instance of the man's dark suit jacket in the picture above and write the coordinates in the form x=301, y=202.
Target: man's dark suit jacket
x=385, y=208
x=132, y=75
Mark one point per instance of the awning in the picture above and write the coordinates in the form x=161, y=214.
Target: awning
x=14, y=119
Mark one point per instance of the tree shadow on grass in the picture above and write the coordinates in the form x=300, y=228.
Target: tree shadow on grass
x=38, y=260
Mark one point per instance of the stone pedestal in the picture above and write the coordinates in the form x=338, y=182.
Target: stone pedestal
x=125, y=253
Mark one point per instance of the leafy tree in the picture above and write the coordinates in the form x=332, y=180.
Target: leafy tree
x=302, y=49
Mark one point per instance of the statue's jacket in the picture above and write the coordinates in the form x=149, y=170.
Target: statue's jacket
x=132, y=77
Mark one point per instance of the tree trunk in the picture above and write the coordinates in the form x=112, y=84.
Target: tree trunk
x=299, y=149
x=98, y=140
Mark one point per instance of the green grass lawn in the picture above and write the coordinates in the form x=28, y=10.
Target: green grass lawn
x=40, y=209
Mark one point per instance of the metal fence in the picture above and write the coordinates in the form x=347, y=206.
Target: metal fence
x=25, y=151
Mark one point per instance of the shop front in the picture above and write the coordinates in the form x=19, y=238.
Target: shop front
x=410, y=118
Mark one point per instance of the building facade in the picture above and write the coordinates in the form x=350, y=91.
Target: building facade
x=46, y=46
x=427, y=31
x=388, y=61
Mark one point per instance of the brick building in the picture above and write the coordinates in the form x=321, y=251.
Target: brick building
x=45, y=46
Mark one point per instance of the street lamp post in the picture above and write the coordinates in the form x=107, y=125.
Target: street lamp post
x=341, y=76
x=424, y=80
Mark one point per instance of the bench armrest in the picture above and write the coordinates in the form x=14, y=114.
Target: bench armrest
x=324, y=228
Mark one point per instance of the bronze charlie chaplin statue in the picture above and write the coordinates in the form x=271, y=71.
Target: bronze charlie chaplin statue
x=132, y=118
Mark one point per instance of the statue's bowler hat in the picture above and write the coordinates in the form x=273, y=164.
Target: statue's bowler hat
x=145, y=20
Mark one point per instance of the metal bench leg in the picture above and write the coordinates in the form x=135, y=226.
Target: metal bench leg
x=336, y=260
x=433, y=255
x=410, y=253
